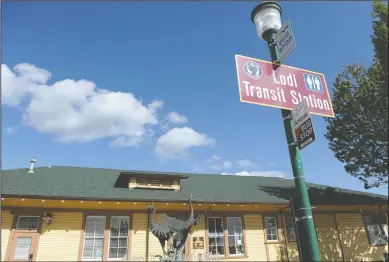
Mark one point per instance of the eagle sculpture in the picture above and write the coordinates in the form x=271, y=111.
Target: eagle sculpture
x=167, y=227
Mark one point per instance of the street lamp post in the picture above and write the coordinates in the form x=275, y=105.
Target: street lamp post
x=267, y=18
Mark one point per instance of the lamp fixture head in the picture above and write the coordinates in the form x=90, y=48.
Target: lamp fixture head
x=48, y=217
x=267, y=17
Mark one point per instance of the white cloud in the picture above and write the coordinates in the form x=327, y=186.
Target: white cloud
x=17, y=83
x=245, y=163
x=221, y=165
x=213, y=159
x=76, y=111
x=155, y=105
x=178, y=141
x=227, y=164
x=171, y=119
x=11, y=130
x=218, y=163
x=258, y=173
x=176, y=118
x=216, y=158
x=125, y=141
x=128, y=141
x=243, y=173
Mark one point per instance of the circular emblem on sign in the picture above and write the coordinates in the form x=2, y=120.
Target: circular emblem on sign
x=252, y=70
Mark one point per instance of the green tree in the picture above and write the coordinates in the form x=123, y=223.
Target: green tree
x=358, y=135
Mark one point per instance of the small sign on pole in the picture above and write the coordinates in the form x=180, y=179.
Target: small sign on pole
x=303, y=127
x=285, y=41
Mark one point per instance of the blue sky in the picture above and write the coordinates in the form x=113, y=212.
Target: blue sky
x=143, y=61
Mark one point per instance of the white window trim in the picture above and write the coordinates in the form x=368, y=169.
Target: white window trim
x=294, y=228
x=276, y=222
x=228, y=235
x=37, y=226
x=83, y=247
x=109, y=240
x=224, y=244
x=225, y=227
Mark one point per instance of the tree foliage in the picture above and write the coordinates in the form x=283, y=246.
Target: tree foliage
x=358, y=135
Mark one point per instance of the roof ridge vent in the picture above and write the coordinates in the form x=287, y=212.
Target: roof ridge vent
x=32, y=162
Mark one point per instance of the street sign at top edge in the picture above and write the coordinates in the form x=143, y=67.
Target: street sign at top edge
x=284, y=88
x=285, y=41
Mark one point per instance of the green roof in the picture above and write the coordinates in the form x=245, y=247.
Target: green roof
x=95, y=183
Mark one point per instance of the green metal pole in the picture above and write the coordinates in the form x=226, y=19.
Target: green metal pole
x=303, y=212
x=295, y=228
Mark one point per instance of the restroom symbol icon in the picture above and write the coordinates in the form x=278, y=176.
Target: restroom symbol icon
x=313, y=83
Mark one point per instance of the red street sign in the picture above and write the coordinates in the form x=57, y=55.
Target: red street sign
x=284, y=88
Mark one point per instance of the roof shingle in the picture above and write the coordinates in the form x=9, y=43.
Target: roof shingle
x=95, y=183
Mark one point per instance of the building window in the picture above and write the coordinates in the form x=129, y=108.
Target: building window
x=216, y=236
x=118, y=237
x=27, y=222
x=22, y=248
x=225, y=240
x=116, y=240
x=235, y=235
x=377, y=229
x=291, y=229
x=271, y=228
x=94, y=238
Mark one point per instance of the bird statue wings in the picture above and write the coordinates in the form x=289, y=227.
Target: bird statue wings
x=167, y=226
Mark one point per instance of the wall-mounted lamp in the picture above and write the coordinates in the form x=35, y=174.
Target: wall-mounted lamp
x=48, y=217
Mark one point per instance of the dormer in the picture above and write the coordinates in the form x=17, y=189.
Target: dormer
x=161, y=181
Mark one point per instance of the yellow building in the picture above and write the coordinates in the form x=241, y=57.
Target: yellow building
x=70, y=214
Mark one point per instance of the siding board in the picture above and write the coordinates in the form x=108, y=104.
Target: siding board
x=355, y=241
x=328, y=239
x=293, y=252
x=256, y=249
x=6, y=225
x=60, y=240
x=275, y=252
x=138, y=248
x=154, y=245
